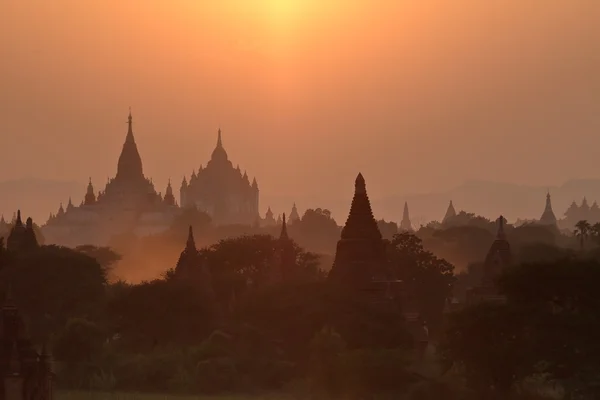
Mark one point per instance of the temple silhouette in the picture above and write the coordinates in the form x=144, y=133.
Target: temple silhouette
x=222, y=190
x=128, y=203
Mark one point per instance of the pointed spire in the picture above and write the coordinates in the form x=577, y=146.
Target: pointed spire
x=284, y=234
x=254, y=183
x=294, y=216
x=500, y=235
x=191, y=243
x=450, y=213
x=406, y=224
x=360, y=252
x=90, y=197
x=130, y=163
x=219, y=152
x=19, y=222
x=548, y=217
x=361, y=223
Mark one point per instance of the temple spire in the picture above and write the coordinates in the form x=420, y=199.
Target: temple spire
x=405, y=224
x=284, y=234
x=190, y=245
x=548, y=217
x=500, y=234
x=360, y=222
x=19, y=222
x=219, y=154
x=130, y=163
x=360, y=254
x=450, y=213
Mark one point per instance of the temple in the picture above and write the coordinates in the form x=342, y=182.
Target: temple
x=27, y=373
x=21, y=237
x=360, y=253
x=405, y=224
x=498, y=258
x=548, y=217
x=284, y=266
x=294, y=216
x=221, y=190
x=129, y=203
x=450, y=213
x=576, y=213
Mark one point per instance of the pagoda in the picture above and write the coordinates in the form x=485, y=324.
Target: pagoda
x=360, y=253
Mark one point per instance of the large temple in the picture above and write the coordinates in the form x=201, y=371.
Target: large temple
x=129, y=203
x=222, y=190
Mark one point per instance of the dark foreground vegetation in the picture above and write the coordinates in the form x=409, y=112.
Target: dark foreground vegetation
x=239, y=333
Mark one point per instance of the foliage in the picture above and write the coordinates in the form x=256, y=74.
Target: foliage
x=428, y=278
x=549, y=326
x=66, y=284
x=79, y=342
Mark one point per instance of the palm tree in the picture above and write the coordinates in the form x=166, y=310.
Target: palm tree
x=595, y=231
x=582, y=231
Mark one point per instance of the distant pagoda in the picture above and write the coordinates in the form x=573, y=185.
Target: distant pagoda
x=405, y=224
x=548, y=217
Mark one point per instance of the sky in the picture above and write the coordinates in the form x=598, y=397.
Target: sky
x=418, y=95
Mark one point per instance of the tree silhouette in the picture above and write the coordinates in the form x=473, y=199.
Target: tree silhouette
x=583, y=229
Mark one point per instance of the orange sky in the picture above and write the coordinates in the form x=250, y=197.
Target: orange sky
x=416, y=94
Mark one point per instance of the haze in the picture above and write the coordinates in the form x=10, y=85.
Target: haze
x=418, y=95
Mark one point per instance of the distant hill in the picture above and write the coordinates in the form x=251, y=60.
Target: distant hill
x=36, y=198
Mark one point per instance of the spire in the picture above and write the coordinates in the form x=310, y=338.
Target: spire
x=450, y=212
x=70, y=204
x=18, y=221
x=405, y=224
x=294, y=216
x=254, y=184
x=500, y=235
x=498, y=257
x=169, y=197
x=90, y=197
x=360, y=222
x=284, y=234
x=130, y=163
x=190, y=245
x=548, y=217
x=360, y=253
x=219, y=153
x=61, y=210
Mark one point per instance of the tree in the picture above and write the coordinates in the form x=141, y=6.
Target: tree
x=66, y=284
x=430, y=278
x=160, y=313
x=244, y=262
x=582, y=231
x=317, y=231
x=387, y=229
x=548, y=326
x=105, y=256
x=79, y=342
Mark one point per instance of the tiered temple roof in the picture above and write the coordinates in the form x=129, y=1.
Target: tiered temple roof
x=360, y=251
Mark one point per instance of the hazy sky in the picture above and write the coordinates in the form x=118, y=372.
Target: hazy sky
x=416, y=94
